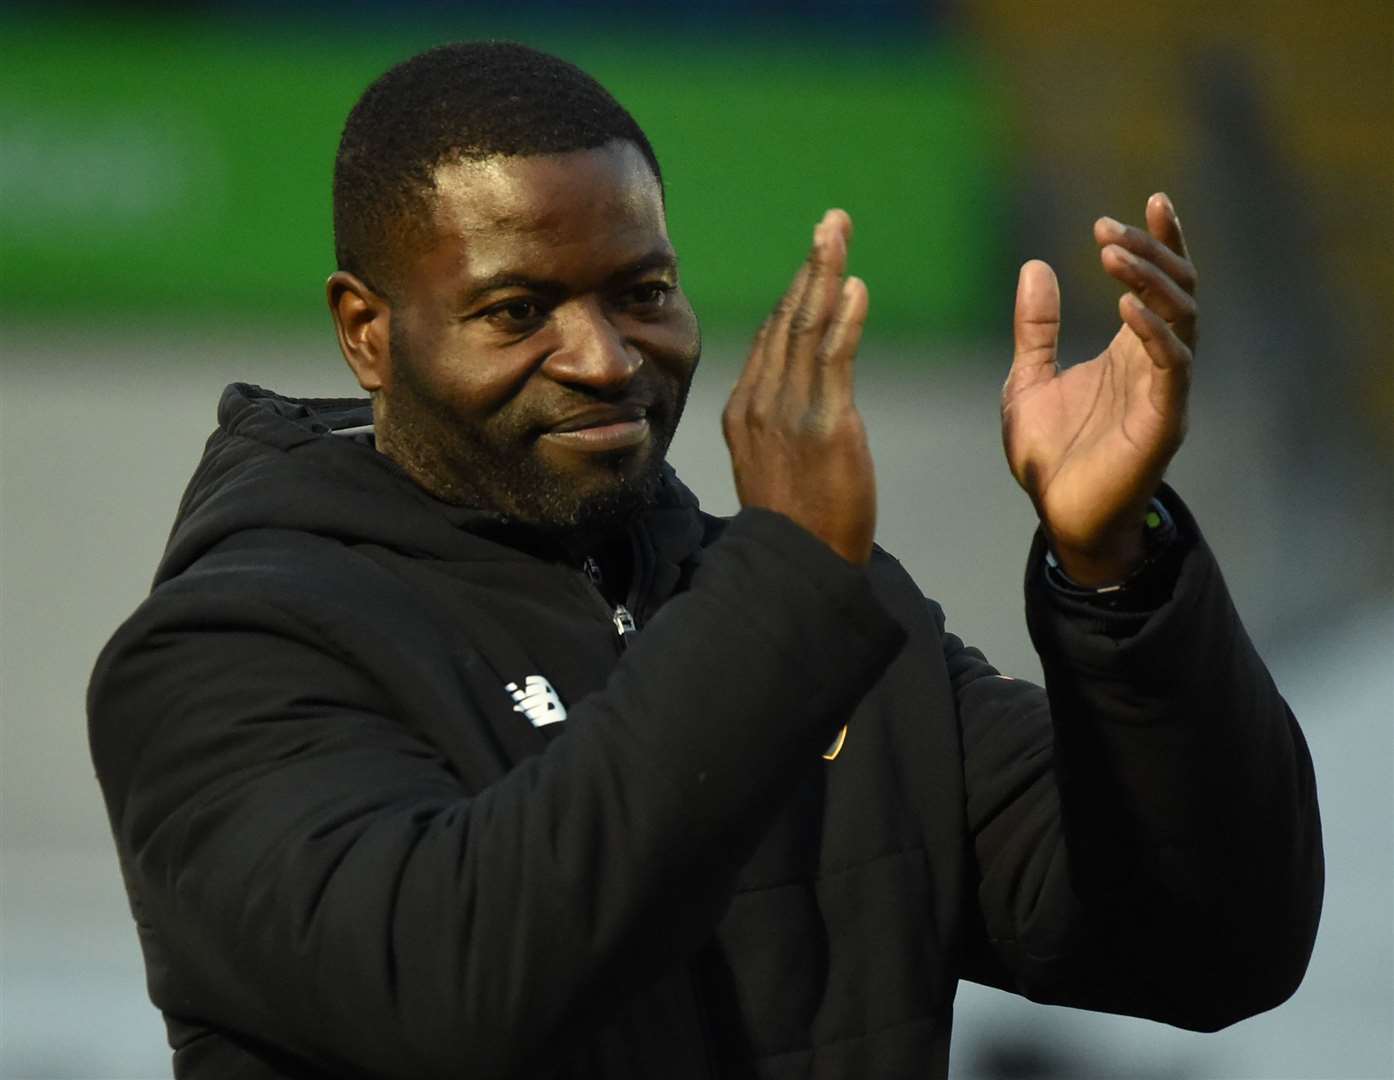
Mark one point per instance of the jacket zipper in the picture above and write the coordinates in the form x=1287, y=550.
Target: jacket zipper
x=620, y=618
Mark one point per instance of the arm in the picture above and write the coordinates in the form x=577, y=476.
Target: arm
x=1145, y=831
x=1147, y=837
x=315, y=877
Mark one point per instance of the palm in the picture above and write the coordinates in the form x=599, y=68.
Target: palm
x=1090, y=443
x=1085, y=443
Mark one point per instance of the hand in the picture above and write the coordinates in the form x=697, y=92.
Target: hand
x=796, y=439
x=1090, y=444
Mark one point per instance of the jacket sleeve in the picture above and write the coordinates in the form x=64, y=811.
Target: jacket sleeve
x=1145, y=831
x=308, y=876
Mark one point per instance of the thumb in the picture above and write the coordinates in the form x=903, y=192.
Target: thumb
x=1035, y=327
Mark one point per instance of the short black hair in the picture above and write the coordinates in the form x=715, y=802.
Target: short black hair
x=463, y=101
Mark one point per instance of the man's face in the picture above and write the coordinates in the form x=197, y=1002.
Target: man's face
x=541, y=348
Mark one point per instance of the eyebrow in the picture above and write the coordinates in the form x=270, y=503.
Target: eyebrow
x=659, y=259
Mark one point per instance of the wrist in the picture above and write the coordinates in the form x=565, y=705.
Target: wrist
x=1114, y=560
x=1143, y=584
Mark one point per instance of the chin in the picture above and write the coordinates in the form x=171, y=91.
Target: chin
x=608, y=507
x=560, y=500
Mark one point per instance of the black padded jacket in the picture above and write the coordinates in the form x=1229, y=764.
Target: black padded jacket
x=358, y=840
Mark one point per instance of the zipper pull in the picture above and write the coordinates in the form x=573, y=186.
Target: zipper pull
x=592, y=569
x=624, y=622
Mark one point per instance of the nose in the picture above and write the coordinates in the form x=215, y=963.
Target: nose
x=592, y=352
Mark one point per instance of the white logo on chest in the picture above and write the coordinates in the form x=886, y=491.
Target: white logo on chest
x=536, y=700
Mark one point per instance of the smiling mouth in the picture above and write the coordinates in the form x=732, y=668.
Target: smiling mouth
x=602, y=429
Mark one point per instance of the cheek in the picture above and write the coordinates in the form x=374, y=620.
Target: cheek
x=482, y=382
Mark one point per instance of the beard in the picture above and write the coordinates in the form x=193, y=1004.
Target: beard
x=496, y=464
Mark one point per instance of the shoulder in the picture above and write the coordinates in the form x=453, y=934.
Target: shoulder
x=296, y=574
x=287, y=585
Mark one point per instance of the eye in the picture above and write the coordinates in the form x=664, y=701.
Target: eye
x=515, y=314
x=647, y=296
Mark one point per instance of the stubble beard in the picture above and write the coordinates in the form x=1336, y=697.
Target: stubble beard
x=501, y=470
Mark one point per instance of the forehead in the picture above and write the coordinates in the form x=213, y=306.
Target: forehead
x=490, y=214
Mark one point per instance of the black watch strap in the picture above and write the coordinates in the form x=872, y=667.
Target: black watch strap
x=1147, y=587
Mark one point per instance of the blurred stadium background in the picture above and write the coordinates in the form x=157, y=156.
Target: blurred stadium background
x=164, y=229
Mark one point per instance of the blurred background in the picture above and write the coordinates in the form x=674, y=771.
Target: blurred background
x=165, y=229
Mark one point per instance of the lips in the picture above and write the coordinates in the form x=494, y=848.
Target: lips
x=597, y=416
x=601, y=429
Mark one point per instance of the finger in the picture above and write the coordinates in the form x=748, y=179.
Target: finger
x=799, y=309
x=741, y=390
x=757, y=364
x=1165, y=349
x=836, y=356
x=1035, y=327
x=809, y=321
x=1164, y=224
x=1171, y=359
x=1155, y=288
x=1143, y=244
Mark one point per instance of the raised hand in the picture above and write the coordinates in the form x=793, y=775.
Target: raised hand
x=796, y=439
x=1090, y=444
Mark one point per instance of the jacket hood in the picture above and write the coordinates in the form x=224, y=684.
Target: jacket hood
x=309, y=465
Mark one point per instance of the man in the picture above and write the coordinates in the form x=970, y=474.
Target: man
x=454, y=740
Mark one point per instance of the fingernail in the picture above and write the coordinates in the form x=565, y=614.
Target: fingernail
x=1111, y=226
x=1126, y=255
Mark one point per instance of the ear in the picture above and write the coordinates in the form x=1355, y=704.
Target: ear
x=361, y=319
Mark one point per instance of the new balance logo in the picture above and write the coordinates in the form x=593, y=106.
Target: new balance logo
x=537, y=701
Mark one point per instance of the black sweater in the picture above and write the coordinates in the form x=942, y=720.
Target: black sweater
x=350, y=855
